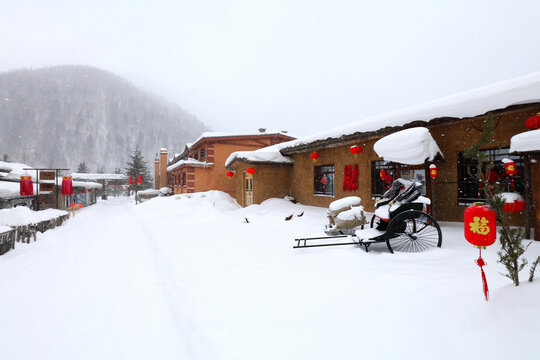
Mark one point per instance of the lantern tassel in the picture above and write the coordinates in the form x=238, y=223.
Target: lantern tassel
x=480, y=262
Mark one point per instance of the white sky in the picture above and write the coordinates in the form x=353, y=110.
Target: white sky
x=302, y=66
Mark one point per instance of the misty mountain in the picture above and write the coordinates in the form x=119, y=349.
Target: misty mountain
x=60, y=116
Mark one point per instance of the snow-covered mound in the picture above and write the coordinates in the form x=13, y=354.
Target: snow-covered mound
x=21, y=215
x=410, y=146
x=526, y=141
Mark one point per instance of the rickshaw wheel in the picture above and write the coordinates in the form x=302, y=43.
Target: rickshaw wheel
x=413, y=231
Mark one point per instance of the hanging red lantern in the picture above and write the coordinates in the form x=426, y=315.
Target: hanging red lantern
x=314, y=155
x=84, y=191
x=480, y=225
x=480, y=230
x=230, y=174
x=130, y=181
x=533, y=122
x=510, y=167
x=250, y=171
x=382, y=174
x=26, y=186
x=139, y=181
x=67, y=185
x=514, y=202
x=356, y=149
x=433, y=172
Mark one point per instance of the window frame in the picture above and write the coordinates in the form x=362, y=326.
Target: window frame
x=327, y=170
x=495, y=155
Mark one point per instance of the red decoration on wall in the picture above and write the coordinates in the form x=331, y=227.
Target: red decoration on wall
x=533, y=122
x=350, y=178
x=382, y=174
x=26, y=186
x=67, y=185
x=314, y=155
x=230, y=174
x=356, y=149
x=480, y=230
x=250, y=171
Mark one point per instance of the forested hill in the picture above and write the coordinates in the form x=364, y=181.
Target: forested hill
x=62, y=115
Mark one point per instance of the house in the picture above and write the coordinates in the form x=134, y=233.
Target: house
x=199, y=167
x=46, y=188
x=451, y=125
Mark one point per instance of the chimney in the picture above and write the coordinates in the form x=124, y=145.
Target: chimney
x=262, y=130
x=156, y=172
x=162, y=167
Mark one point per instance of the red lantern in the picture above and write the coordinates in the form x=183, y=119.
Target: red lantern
x=139, y=181
x=433, y=172
x=533, y=122
x=480, y=225
x=314, y=155
x=356, y=149
x=250, y=171
x=514, y=202
x=26, y=186
x=67, y=185
x=84, y=191
x=130, y=181
x=480, y=230
x=230, y=174
x=509, y=167
x=382, y=174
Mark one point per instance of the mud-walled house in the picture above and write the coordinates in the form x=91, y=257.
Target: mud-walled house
x=199, y=167
x=361, y=158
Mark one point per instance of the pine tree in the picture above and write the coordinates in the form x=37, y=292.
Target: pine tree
x=83, y=168
x=138, y=167
x=100, y=170
x=117, y=171
x=512, y=249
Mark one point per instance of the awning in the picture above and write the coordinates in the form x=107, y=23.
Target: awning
x=411, y=146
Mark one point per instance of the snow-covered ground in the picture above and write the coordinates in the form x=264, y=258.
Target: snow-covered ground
x=189, y=278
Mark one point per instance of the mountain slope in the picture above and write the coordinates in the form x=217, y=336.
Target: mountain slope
x=62, y=115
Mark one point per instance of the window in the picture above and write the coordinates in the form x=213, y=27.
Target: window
x=323, y=177
x=184, y=179
x=468, y=187
x=202, y=155
x=394, y=171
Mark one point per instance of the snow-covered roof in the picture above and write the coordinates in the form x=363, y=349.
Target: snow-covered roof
x=410, y=146
x=517, y=91
x=215, y=134
x=189, y=161
x=96, y=177
x=14, y=171
x=11, y=189
x=525, y=142
x=268, y=154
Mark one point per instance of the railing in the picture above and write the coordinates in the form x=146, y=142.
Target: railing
x=7, y=241
x=24, y=233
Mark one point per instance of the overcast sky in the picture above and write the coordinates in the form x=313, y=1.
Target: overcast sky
x=302, y=66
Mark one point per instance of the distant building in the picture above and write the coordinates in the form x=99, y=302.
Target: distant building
x=201, y=166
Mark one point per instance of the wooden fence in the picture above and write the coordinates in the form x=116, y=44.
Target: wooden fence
x=24, y=233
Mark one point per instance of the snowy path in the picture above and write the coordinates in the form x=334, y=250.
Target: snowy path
x=179, y=278
x=90, y=290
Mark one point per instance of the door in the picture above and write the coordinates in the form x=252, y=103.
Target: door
x=248, y=189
